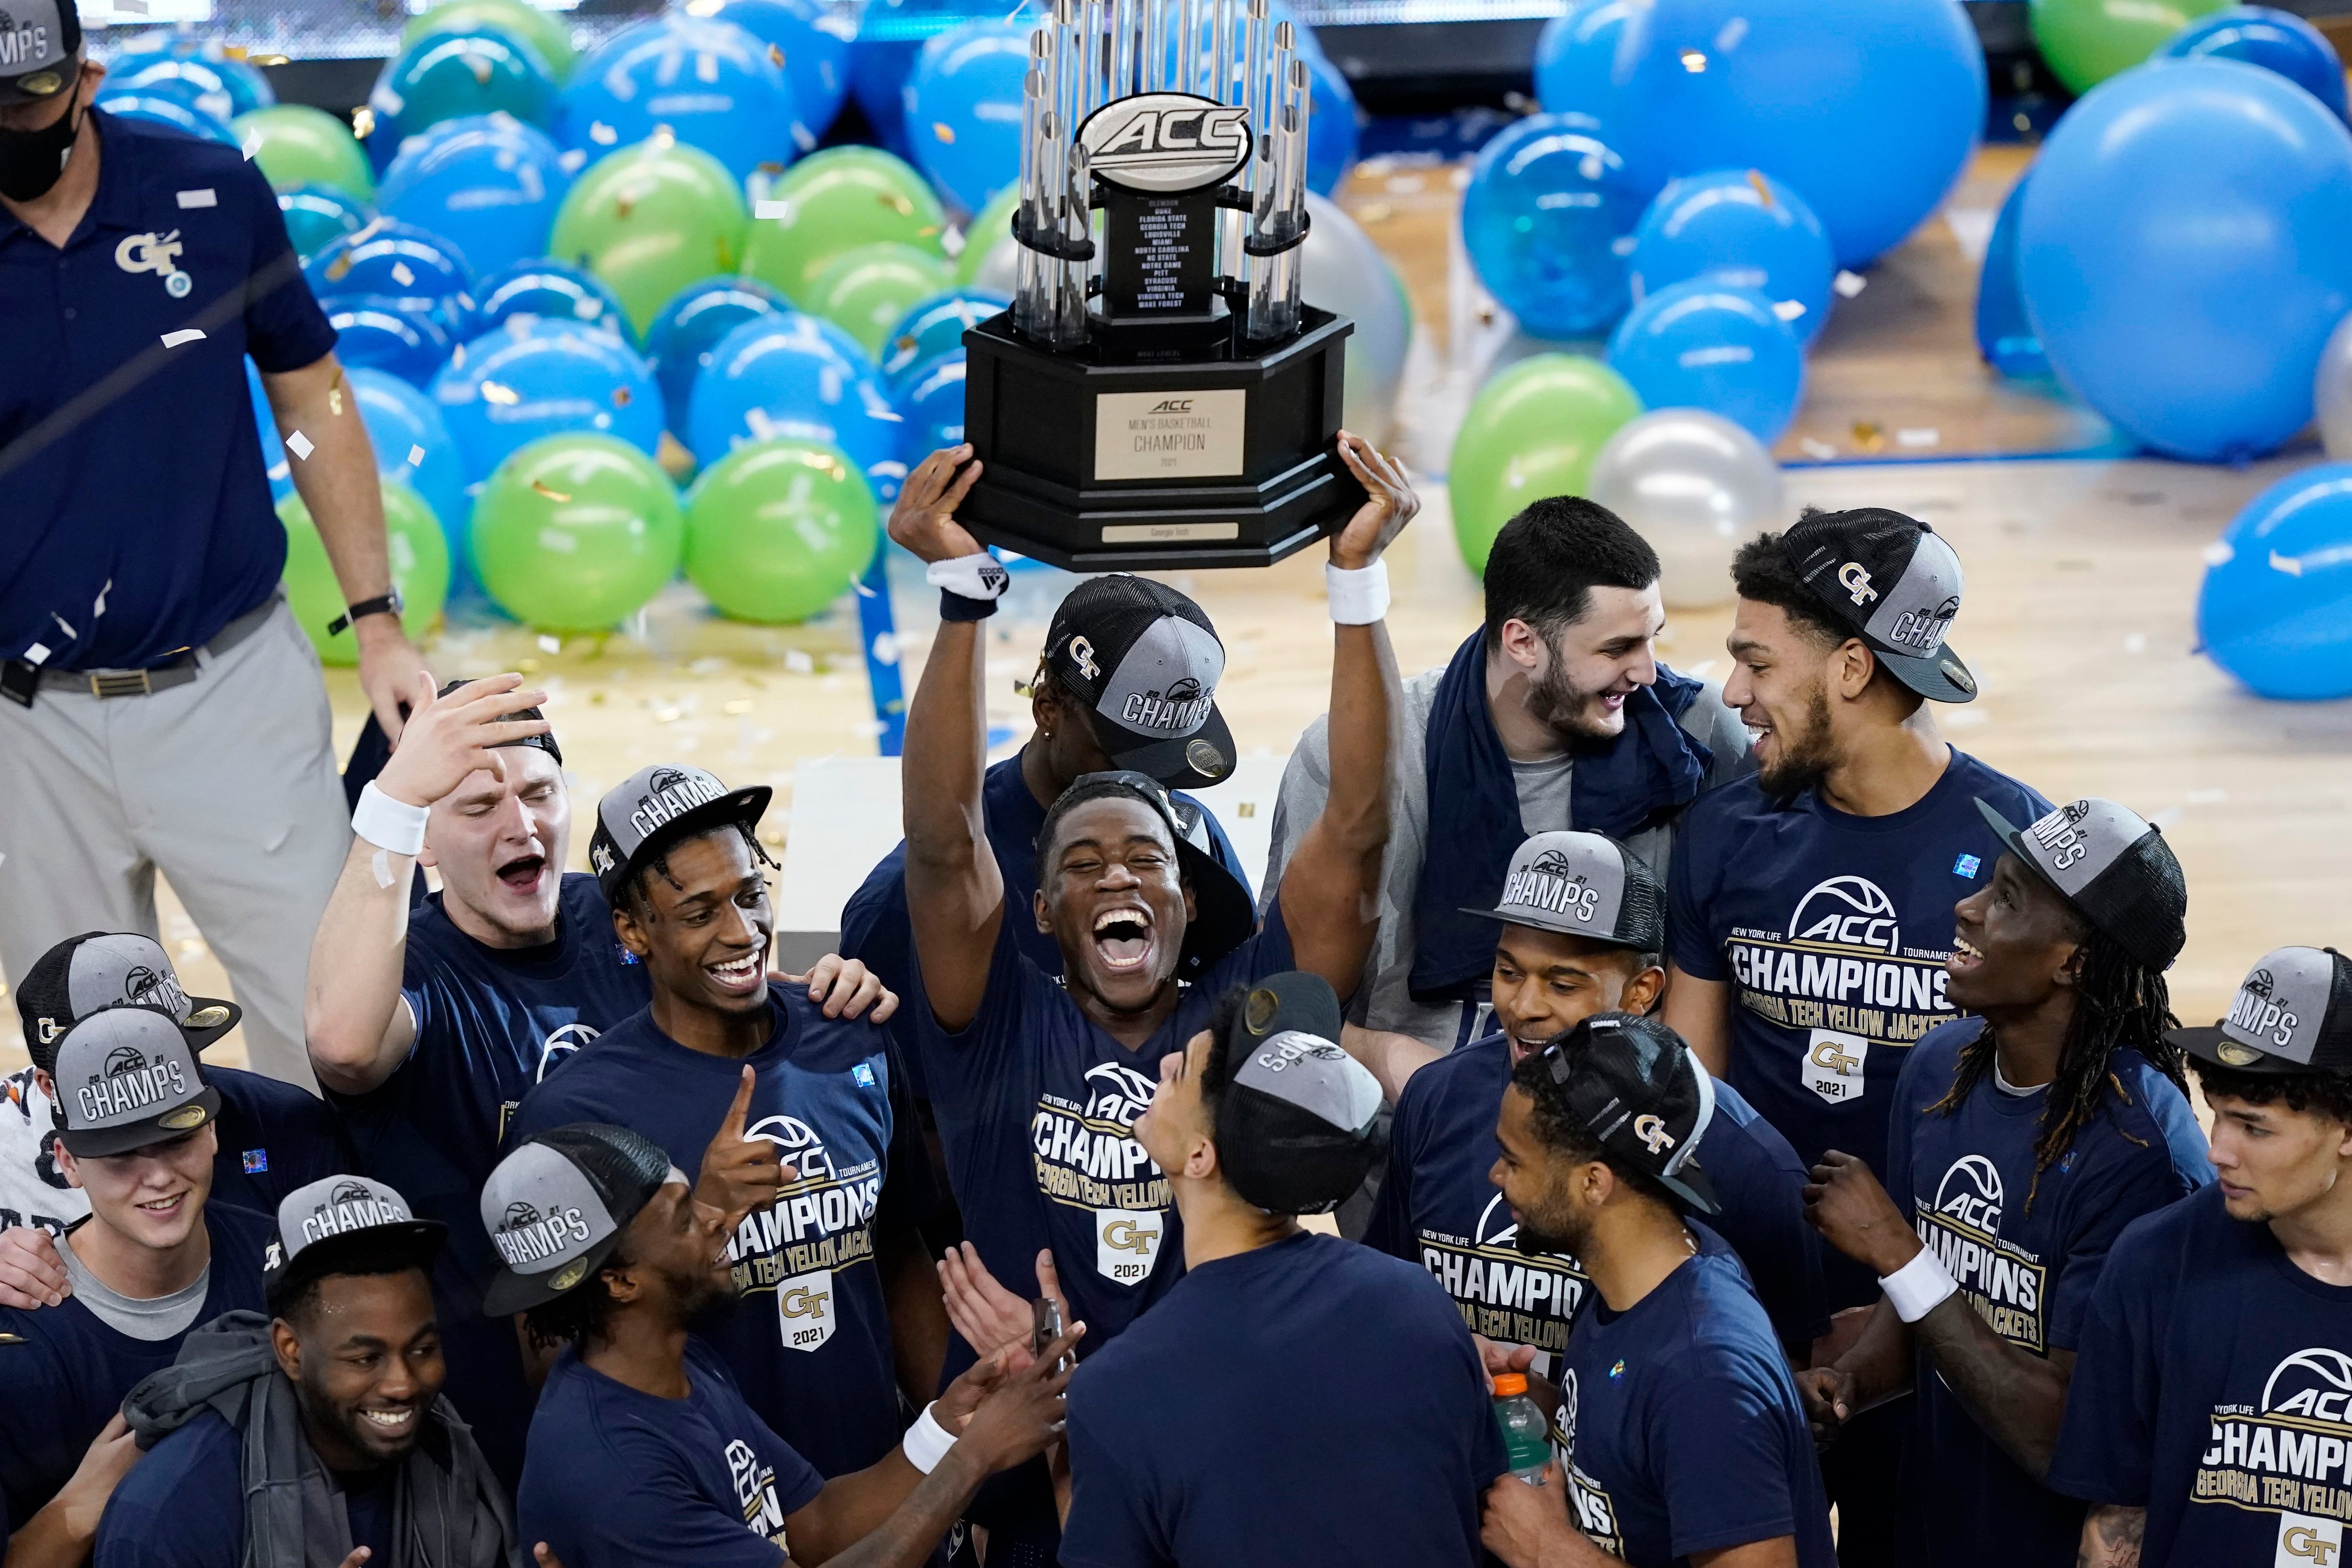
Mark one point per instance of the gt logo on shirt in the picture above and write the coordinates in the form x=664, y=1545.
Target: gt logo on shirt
x=2307, y=1542
x=805, y=1312
x=1127, y=1243
x=755, y=1491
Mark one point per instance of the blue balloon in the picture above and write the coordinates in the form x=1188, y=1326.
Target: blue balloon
x=1332, y=133
x=406, y=337
x=1549, y=221
x=778, y=377
x=154, y=109
x=452, y=74
x=679, y=343
x=1868, y=109
x=222, y=89
x=1704, y=345
x=317, y=215
x=488, y=183
x=274, y=465
x=963, y=109
x=528, y=379
x=931, y=401
x=2275, y=40
x=712, y=83
x=814, y=42
x=2187, y=238
x=414, y=446
x=2005, y=334
x=1580, y=64
x=395, y=260
x=556, y=292
x=1739, y=227
x=2275, y=611
x=934, y=328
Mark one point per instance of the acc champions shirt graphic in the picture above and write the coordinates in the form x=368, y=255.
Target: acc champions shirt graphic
x=1087, y=1156
x=1841, y=971
x=822, y=1220
x=2289, y=1452
x=755, y=1491
x=2002, y=1281
x=1509, y=1295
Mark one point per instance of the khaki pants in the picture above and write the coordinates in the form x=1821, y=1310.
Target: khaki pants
x=227, y=785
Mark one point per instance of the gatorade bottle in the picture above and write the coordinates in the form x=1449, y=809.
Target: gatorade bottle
x=1526, y=1440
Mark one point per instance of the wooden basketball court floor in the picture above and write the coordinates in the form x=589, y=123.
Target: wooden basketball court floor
x=2083, y=575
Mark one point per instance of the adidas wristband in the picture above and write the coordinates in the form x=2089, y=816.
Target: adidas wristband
x=926, y=1442
x=1359, y=597
x=981, y=576
x=1919, y=1287
x=389, y=824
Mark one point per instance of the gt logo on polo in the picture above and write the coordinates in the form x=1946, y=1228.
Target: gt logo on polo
x=1126, y=1236
x=1651, y=1130
x=155, y=253
x=1166, y=141
x=1855, y=579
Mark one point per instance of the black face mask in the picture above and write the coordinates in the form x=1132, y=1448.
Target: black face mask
x=33, y=161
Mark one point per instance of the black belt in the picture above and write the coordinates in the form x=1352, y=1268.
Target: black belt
x=23, y=680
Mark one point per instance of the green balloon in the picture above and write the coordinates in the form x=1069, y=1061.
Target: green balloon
x=296, y=145
x=650, y=219
x=1532, y=432
x=2087, y=41
x=868, y=291
x=577, y=532
x=991, y=228
x=837, y=200
x=418, y=552
x=534, y=26
x=777, y=530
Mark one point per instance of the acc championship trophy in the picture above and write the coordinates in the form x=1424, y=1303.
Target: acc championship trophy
x=1139, y=407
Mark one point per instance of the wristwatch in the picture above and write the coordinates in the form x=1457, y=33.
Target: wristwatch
x=382, y=605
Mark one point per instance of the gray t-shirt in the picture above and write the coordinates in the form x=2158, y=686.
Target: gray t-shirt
x=1542, y=787
x=141, y=1317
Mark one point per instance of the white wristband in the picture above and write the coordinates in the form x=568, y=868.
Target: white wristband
x=1358, y=597
x=389, y=824
x=1919, y=1287
x=980, y=576
x=926, y=1442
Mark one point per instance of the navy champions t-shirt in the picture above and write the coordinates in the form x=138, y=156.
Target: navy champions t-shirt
x=1229, y=1425
x=490, y=1021
x=63, y=1371
x=618, y=1477
x=875, y=928
x=1832, y=930
x=2027, y=1271
x=183, y=1505
x=1682, y=1426
x=1036, y=1109
x=1437, y=1207
x=2214, y=1389
x=809, y=1340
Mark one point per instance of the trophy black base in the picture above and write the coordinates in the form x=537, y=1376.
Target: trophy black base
x=1180, y=444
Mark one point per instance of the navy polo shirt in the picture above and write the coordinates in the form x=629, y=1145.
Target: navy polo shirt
x=139, y=516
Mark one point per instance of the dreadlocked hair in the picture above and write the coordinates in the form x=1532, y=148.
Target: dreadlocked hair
x=2118, y=1001
x=633, y=892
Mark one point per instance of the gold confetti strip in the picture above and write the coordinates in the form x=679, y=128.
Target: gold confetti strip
x=363, y=123
x=896, y=203
x=776, y=55
x=481, y=70
x=335, y=400
x=1763, y=190
x=944, y=132
x=620, y=397
x=542, y=488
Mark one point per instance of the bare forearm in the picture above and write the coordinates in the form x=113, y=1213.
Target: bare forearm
x=2111, y=1537
x=50, y=1539
x=918, y=1316
x=1365, y=688
x=2018, y=1397
x=1880, y=1358
x=338, y=480
x=1390, y=1057
x=904, y=1537
x=351, y=1002
x=946, y=757
x=1698, y=1010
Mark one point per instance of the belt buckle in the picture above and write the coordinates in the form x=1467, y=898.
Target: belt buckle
x=121, y=683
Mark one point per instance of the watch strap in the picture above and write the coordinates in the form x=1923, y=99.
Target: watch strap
x=382, y=605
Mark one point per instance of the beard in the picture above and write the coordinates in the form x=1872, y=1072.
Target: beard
x=1536, y=1238
x=1804, y=761
x=1561, y=706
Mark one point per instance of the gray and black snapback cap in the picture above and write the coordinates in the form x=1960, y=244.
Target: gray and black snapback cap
x=1641, y=1093
x=556, y=1207
x=37, y=40
x=1148, y=660
x=656, y=806
x=126, y=1078
x=2114, y=866
x=2293, y=1013
x=330, y=1219
x=1582, y=884
x=110, y=969
x=1298, y=1122
x=1895, y=583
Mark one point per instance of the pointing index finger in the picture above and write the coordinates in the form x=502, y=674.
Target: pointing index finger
x=732, y=1126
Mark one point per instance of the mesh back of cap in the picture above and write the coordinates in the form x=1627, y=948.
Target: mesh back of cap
x=2141, y=900
x=1642, y=914
x=627, y=1168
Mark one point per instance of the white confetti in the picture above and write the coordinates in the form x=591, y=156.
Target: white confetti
x=2219, y=553
x=1849, y=284
x=185, y=335
x=98, y=605
x=798, y=662
x=252, y=145
x=2207, y=796
x=37, y=653
x=203, y=198
x=1919, y=437
x=886, y=650
x=1819, y=451
x=551, y=645
x=1788, y=310
x=403, y=276
x=415, y=457
x=64, y=624
x=777, y=210
x=299, y=445
x=2286, y=563
x=2136, y=642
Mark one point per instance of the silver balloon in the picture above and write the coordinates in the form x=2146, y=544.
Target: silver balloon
x=2332, y=395
x=1344, y=271
x=1696, y=486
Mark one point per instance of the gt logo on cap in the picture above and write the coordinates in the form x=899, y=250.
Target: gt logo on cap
x=1857, y=581
x=1082, y=653
x=1651, y=1130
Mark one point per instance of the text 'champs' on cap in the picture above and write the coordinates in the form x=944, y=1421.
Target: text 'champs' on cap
x=1148, y=660
x=126, y=1078
x=37, y=40
x=1582, y=884
x=1895, y=583
x=83, y=974
x=330, y=1219
x=2293, y=1013
x=556, y=1207
x=2112, y=867
x=657, y=805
